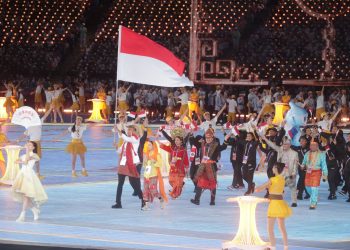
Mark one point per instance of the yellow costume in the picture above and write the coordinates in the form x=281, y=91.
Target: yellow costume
x=38, y=98
x=183, y=109
x=268, y=109
x=123, y=106
x=193, y=104
x=76, y=147
x=75, y=106
x=319, y=112
x=278, y=208
x=102, y=96
x=9, y=102
x=286, y=98
x=55, y=103
x=3, y=139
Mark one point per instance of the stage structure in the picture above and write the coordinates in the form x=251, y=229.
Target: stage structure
x=247, y=236
x=208, y=64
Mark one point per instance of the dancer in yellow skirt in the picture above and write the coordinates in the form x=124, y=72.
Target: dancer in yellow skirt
x=76, y=146
x=10, y=103
x=27, y=187
x=75, y=106
x=193, y=105
x=101, y=94
x=278, y=208
x=122, y=102
x=3, y=142
x=57, y=94
x=38, y=100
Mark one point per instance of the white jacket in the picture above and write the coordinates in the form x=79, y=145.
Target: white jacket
x=135, y=144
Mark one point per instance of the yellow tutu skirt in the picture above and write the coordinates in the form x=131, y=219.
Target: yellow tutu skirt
x=47, y=106
x=9, y=102
x=55, y=103
x=28, y=184
x=75, y=106
x=268, y=109
x=279, y=209
x=123, y=106
x=76, y=147
x=38, y=98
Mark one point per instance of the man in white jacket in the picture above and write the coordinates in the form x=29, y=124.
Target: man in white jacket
x=289, y=157
x=128, y=161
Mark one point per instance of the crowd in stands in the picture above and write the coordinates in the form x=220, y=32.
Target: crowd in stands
x=36, y=35
x=289, y=44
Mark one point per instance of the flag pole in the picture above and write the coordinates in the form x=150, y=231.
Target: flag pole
x=117, y=84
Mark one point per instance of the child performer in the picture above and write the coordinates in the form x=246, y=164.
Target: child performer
x=152, y=175
x=278, y=208
x=77, y=147
x=27, y=187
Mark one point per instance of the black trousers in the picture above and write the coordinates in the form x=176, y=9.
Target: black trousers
x=193, y=171
x=237, y=174
x=135, y=184
x=199, y=192
x=332, y=182
x=301, y=182
x=248, y=174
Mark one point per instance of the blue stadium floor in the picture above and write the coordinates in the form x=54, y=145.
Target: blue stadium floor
x=78, y=213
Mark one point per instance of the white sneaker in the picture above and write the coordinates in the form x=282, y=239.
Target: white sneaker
x=21, y=217
x=145, y=207
x=162, y=205
x=36, y=213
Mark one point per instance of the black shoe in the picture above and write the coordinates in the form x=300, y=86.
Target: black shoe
x=196, y=202
x=294, y=205
x=312, y=207
x=143, y=204
x=307, y=197
x=212, y=203
x=247, y=193
x=332, y=197
x=134, y=194
x=117, y=205
x=266, y=195
x=348, y=200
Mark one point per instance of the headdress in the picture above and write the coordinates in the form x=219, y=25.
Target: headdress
x=177, y=132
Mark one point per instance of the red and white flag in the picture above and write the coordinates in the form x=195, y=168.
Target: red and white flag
x=142, y=60
x=228, y=125
x=142, y=114
x=235, y=130
x=132, y=115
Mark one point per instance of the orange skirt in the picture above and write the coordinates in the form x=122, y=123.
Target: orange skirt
x=313, y=179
